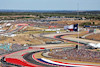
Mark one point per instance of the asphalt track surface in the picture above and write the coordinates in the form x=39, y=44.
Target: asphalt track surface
x=59, y=37
x=28, y=57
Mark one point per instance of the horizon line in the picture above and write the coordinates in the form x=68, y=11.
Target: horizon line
x=48, y=10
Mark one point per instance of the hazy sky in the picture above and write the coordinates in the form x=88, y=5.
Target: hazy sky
x=50, y=4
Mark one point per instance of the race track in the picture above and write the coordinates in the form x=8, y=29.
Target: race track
x=29, y=56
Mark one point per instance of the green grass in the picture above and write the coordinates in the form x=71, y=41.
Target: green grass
x=35, y=32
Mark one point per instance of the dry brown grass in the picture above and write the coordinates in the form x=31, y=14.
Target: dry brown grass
x=94, y=36
x=22, y=39
x=34, y=28
x=2, y=38
x=14, y=27
x=6, y=28
x=76, y=35
x=25, y=39
x=45, y=39
x=77, y=21
x=29, y=28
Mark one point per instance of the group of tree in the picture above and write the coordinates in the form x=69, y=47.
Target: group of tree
x=88, y=23
x=87, y=14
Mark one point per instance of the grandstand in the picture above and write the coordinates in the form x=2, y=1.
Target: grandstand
x=76, y=55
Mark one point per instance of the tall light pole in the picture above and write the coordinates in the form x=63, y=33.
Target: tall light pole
x=78, y=22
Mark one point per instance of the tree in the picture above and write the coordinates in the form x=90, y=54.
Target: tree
x=93, y=23
x=86, y=23
x=41, y=16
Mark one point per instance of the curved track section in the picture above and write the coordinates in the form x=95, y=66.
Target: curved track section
x=60, y=37
x=28, y=57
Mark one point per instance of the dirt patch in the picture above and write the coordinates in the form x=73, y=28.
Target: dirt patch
x=25, y=39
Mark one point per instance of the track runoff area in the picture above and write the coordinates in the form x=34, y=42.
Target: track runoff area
x=26, y=58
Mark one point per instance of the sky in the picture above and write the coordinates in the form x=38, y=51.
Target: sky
x=50, y=4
